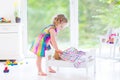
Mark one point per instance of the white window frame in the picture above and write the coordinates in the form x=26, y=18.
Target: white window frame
x=24, y=22
x=74, y=23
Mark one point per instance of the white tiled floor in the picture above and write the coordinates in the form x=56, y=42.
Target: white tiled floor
x=105, y=70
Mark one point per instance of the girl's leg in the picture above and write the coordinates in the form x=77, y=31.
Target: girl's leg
x=50, y=69
x=39, y=66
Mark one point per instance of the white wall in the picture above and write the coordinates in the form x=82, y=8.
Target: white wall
x=7, y=8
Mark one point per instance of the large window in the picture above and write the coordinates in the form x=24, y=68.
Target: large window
x=94, y=17
x=40, y=14
x=89, y=27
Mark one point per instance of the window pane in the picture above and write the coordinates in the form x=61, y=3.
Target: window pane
x=89, y=27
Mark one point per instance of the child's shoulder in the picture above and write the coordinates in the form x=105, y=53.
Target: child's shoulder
x=52, y=27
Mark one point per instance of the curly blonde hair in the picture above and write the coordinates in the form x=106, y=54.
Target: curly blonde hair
x=60, y=18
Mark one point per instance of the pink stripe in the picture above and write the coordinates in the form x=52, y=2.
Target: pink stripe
x=41, y=36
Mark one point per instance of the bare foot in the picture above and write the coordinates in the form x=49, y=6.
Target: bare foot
x=42, y=74
x=49, y=57
x=51, y=70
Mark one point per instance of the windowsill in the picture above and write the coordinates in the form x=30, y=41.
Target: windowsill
x=10, y=24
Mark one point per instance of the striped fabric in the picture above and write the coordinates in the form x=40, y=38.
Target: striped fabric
x=41, y=43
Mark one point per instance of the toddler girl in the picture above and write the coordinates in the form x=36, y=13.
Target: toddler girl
x=44, y=39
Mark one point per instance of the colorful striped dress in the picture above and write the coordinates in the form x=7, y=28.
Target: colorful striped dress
x=42, y=42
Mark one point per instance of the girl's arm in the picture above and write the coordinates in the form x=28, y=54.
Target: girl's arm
x=53, y=41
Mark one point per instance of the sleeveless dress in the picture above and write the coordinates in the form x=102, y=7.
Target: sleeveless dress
x=42, y=42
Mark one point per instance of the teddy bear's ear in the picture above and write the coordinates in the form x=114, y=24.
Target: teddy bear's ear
x=56, y=55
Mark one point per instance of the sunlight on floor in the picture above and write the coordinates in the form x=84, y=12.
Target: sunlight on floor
x=105, y=70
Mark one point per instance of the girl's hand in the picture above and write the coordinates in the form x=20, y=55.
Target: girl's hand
x=59, y=51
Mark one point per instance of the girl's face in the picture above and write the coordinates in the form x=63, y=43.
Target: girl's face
x=61, y=26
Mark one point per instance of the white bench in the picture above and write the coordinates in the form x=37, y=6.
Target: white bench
x=86, y=64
